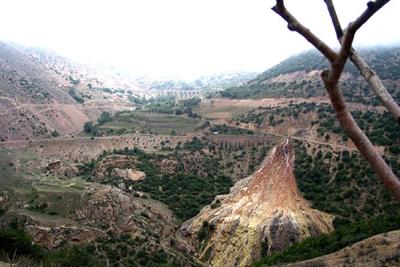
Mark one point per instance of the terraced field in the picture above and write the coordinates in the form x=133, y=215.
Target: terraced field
x=144, y=122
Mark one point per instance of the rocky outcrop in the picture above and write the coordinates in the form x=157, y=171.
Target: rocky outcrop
x=52, y=237
x=104, y=168
x=262, y=214
x=52, y=165
x=103, y=210
x=107, y=214
x=128, y=174
x=111, y=209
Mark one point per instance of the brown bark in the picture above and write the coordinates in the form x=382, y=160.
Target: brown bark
x=376, y=84
x=366, y=71
x=363, y=144
x=331, y=80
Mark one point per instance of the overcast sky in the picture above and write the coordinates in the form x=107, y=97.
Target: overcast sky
x=182, y=37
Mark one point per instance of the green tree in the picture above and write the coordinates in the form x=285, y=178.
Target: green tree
x=88, y=127
x=104, y=117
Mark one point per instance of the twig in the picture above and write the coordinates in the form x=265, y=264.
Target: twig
x=13, y=258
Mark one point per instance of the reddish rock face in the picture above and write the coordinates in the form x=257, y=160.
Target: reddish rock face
x=262, y=213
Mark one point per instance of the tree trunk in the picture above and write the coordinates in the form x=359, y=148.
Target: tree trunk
x=361, y=141
x=376, y=84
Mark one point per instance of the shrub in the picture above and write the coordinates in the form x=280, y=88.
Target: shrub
x=104, y=118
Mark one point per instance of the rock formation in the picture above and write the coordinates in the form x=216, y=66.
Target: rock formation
x=105, y=212
x=128, y=174
x=262, y=214
x=106, y=165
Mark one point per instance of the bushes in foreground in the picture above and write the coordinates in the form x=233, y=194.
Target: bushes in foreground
x=16, y=245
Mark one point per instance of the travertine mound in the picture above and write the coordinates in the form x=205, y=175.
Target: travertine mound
x=262, y=214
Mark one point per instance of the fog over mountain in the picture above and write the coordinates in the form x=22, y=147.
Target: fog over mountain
x=180, y=38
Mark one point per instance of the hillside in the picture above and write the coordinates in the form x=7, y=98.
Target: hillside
x=359, y=244
x=206, y=82
x=373, y=251
x=42, y=96
x=24, y=80
x=30, y=95
x=298, y=76
x=88, y=76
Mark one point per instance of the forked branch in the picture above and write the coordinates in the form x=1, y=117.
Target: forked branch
x=295, y=25
x=365, y=70
x=331, y=80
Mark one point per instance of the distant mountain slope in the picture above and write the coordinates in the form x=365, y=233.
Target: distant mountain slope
x=299, y=76
x=107, y=76
x=205, y=83
x=83, y=76
x=35, y=101
x=384, y=60
x=42, y=95
x=75, y=74
x=24, y=80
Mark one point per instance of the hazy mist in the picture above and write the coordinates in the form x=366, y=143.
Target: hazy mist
x=182, y=37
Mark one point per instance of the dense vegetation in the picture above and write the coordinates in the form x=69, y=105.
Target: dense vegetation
x=16, y=244
x=169, y=105
x=342, y=184
x=327, y=243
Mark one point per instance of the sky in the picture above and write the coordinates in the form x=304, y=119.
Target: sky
x=183, y=38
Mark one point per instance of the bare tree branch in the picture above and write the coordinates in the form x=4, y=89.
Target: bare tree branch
x=331, y=80
x=366, y=71
x=294, y=25
x=348, y=37
x=373, y=7
x=335, y=19
x=363, y=144
x=376, y=84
